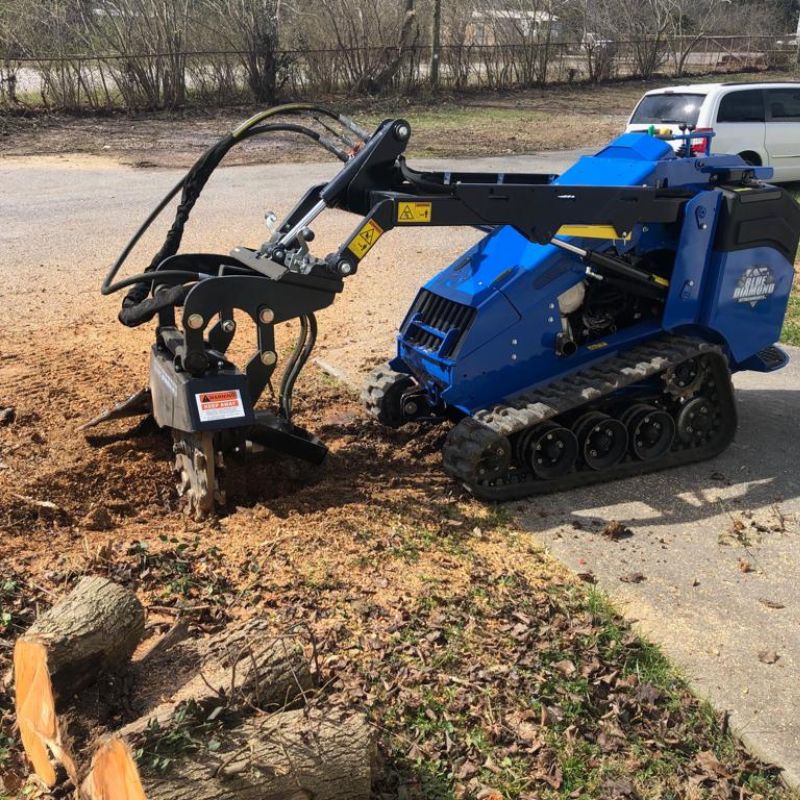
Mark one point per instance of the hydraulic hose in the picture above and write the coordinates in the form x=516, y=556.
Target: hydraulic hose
x=298, y=360
x=191, y=185
x=284, y=392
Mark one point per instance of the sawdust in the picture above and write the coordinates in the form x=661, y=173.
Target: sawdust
x=425, y=608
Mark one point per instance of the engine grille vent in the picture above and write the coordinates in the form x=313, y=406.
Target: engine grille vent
x=437, y=324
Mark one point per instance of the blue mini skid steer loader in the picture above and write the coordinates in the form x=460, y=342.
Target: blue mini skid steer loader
x=590, y=335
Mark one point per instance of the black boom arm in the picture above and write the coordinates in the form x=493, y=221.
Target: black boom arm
x=378, y=185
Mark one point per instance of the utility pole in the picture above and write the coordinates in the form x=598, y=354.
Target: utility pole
x=436, y=42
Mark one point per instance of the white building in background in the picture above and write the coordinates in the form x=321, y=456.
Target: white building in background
x=504, y=26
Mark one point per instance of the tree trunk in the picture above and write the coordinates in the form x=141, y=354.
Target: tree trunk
x=294, y=755
x=407, y=39
x=243, y=667
x=436, y=43
x=94, y=629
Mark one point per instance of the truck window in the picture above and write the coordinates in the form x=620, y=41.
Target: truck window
x=745, y=106
x=784, y=104
x=668, y=109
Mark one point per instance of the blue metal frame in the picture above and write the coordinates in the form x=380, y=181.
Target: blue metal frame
x=514, y=285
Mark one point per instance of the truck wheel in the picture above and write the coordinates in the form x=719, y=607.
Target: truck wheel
x=753, y=159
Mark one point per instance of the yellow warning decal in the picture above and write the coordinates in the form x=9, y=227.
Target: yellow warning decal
x=414, y=212
x=597, y=346
x=592, y=231
x=659, y=280
x=365, y=238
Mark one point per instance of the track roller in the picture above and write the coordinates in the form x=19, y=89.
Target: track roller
x=548, y=449
x=684, y=379
x=651, y=431
x=696, y=421
x=603, y=440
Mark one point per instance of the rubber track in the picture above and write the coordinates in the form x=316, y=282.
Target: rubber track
x=569, y=393
x=380, y=381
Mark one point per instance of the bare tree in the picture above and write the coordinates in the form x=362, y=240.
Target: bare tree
x=148, y=39
x=592, y=22
x=48, y=32
x=372, y=38
x=8, y=46
x=457, y=53
x=436, y=42
x=250, y=27
x=644, y=26
x=689, y=22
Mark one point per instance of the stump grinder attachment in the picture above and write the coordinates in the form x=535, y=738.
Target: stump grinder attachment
x=590, y=335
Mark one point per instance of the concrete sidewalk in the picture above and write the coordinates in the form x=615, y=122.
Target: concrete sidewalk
x=711, y=569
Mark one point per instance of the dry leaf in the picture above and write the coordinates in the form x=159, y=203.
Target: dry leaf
x=615, y=531
x=565, y=667
x=768, y=656
x=710, y=765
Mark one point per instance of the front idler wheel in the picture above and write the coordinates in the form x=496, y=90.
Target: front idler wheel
x=548, y=449
x=603, y=440
x=474, y=453
x=651, y=431
x=383, y=396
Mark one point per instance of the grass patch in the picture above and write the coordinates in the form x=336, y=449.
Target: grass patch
x=791, y=323
x=546, y=693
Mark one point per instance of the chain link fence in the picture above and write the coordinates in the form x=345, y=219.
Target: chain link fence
x=147, y=81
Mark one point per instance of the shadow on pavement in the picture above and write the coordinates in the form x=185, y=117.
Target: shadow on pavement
x=758, y=470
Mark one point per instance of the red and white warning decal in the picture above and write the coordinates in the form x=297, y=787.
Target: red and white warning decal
x=219, y=405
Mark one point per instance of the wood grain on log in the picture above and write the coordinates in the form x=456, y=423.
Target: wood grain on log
x=292, y=755
x=95, y=628
x=244, y=667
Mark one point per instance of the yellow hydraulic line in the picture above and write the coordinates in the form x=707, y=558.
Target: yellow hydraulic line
x=286, y=108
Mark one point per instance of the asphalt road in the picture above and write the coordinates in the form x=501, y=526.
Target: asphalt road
x=713, y=550
x=63, y=220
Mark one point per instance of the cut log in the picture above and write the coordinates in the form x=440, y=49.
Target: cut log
x=245, y=667
x=94, y=629
x=292, y=755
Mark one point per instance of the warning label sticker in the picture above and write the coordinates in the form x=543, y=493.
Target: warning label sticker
x=365, y=238
x=219, y=405
x=414, y=212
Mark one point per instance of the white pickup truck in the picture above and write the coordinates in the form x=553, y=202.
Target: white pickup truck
x=759, y=121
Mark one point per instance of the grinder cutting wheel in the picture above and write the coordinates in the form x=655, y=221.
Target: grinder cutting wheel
x=591, y=334
x=194, y=389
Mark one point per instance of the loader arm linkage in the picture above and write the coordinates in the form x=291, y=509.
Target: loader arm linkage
x=379, y=185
